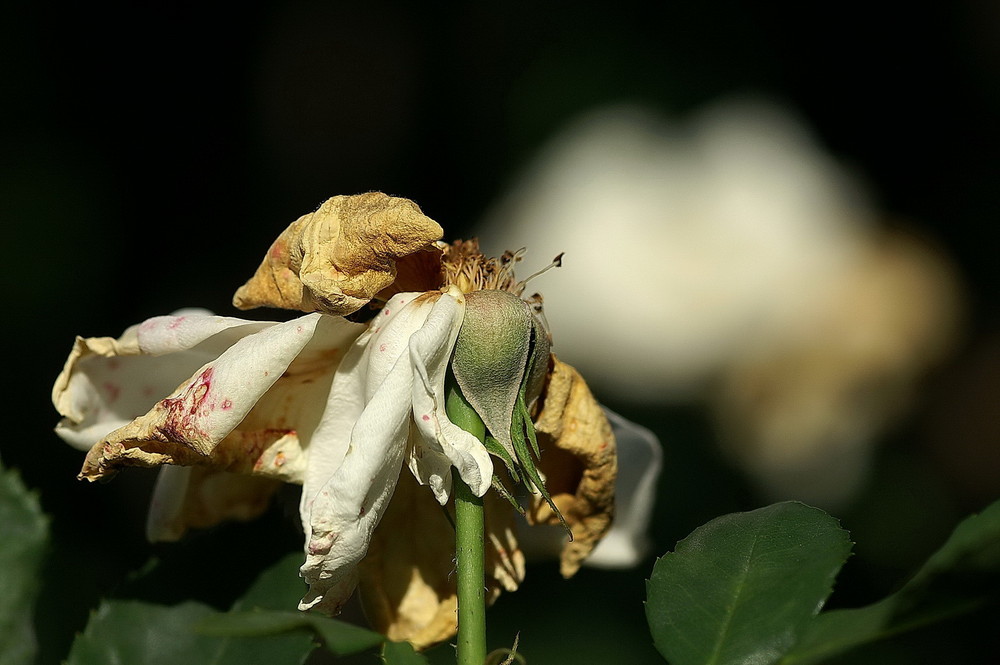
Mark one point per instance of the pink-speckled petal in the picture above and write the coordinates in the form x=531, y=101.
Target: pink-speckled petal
x=190, y=328
x=345, y=511
x=197, y=423
x=107, y=382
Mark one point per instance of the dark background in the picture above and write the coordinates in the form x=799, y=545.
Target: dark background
x=151, y=151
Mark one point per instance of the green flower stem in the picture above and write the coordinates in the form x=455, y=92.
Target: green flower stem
x=469, y=525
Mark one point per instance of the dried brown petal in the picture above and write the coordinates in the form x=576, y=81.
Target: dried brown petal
x=336, y=259
x=578, y=461
x=420, y=271
x=407, y=579
x=198, y=497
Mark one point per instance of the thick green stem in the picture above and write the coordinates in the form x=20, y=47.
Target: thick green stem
x=469, y=525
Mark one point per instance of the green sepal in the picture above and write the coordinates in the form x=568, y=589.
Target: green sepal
x=521, y=429
x=522, y=425
x=500, y=489
x=529, y=427
x=537, y=368
x=521, y=404
x=494, y=447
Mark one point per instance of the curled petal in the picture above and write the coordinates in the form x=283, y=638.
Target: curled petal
x=394, y=375
x=578, y=461
x=640, y=457
x=363, y=460
x=365, y=365
x=242, y=411
x=429, y=465
x=417, y=272
x=347, y=508
x=336, y=259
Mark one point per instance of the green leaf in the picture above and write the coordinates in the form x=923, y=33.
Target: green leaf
x=25, y=533
x=252, y=623
x=401, y=653
x=344, y=638
x=279, y=587
x=136, y=632
x=263, y=611
x=340, y=638
x=962, y=576
x=743, y=587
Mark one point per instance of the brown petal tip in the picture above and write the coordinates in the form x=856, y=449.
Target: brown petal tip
x=579, y=462
x=336, y=259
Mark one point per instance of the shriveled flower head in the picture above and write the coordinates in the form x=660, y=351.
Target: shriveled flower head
x=341, y=407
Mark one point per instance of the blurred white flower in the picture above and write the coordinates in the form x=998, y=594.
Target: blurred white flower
x=744, y=267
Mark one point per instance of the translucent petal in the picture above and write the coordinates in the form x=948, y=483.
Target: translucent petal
x=640, y=457
x=626, y=543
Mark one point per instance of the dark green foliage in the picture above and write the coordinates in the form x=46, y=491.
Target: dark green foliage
x=25, y=533
x=748, y=588
x=962, y=576
x=743, y=587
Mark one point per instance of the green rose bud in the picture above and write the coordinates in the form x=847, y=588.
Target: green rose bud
x=490, y=357
x=500, y=363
